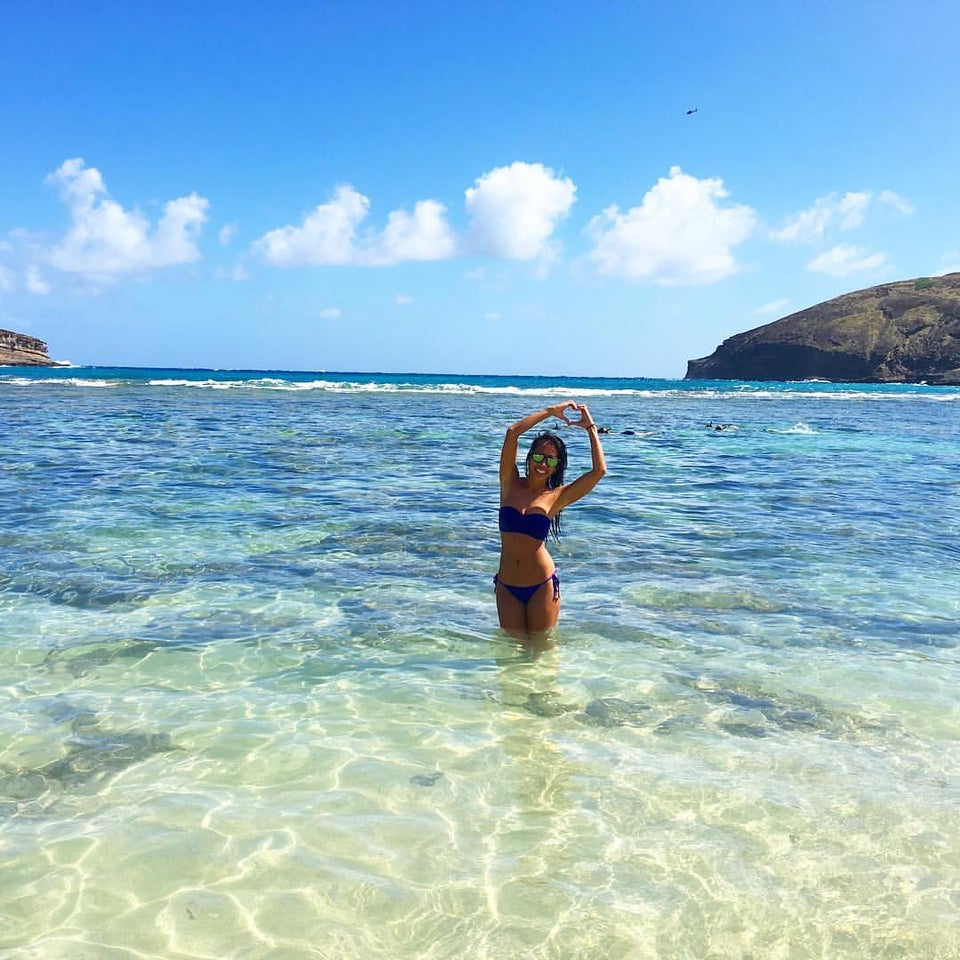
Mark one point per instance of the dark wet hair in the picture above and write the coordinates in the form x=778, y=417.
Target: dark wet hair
x=556, y=478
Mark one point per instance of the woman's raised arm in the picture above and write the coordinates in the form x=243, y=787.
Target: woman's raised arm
x=580, y=487
x=508, y=453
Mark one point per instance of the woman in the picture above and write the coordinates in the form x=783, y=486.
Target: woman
x=527, y=585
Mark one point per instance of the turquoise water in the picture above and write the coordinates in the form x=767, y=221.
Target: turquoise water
x=254, y=704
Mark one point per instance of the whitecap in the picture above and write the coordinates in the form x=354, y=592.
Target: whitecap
x=798, y=428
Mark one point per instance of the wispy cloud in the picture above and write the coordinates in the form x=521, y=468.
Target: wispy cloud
x=35, y=283
x=236, y=273
x=896, y=201
x=226, y=234
x=835, y=213
x=842, y=260
x=773, y=309
x=681, y=234
x=826, y=213
x=27, y=280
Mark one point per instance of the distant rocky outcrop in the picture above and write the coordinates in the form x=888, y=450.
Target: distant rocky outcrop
x=19, y=350
x=905, y=332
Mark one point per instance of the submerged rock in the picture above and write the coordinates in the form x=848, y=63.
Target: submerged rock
x=92, y=755
x=426, y=779
x=547, y=704
x=615, y=712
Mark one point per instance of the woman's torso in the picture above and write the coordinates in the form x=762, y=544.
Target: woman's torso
x=524, y=558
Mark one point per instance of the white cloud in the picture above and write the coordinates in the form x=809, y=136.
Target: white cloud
x=328, y=235
x=402, y=300
x=424, y=235
x=330, y=313
x=226, y=234
x=105, y=241
x=32, y=281
x=514, y=211
x=35, y=283
x=325, y=237
x=896, y=201
x=236, y=273
x=680, y=234
x=834, y=212
x=842, y=260
x=775, y=308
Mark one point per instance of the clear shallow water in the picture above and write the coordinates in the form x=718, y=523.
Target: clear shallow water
x=254, y=703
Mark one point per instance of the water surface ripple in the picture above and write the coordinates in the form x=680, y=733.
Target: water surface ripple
x=254, y=703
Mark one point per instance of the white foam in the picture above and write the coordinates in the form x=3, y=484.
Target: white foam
x=801, y=428
x=59, y=382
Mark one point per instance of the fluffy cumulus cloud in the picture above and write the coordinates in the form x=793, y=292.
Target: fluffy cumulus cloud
x=681, y=234
x=422, y=235
x=326, y=235
x=514, y=211
x=842, y=260
x=329, y=235
x=106, y=241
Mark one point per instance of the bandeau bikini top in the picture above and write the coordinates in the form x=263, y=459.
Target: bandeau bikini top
x=536, y=525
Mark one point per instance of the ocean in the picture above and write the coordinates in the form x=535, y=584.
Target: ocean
x=254, y=702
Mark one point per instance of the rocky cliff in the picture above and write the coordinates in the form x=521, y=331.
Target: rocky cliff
x=903, y=332
x=19, y=350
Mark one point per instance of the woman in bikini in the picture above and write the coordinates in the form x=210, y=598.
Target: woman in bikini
x=527, y=585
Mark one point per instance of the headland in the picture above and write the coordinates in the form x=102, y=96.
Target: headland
x=904, y=332
x=19, y=350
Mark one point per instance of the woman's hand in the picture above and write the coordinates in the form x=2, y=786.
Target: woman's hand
x=586, y=420
x=559, y=410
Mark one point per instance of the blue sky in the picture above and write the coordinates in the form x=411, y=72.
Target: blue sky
x=498, y=187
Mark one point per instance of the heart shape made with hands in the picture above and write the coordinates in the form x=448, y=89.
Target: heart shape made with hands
x=576, y=408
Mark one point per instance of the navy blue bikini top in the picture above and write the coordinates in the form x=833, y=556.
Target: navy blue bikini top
x=536, y=525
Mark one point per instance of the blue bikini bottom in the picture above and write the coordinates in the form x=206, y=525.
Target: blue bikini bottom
x=523, y=594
